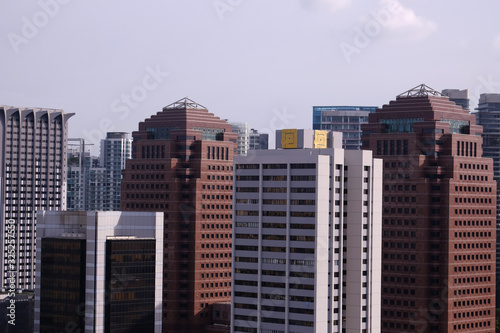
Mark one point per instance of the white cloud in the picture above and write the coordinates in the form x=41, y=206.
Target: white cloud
x=401, y=22
x=336, y=5
x=333, y=5
x=496, y=42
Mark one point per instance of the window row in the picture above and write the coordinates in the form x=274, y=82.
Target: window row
x=217, y=177
x=473, y=200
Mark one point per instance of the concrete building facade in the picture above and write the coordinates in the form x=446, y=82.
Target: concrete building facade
x=307, y=237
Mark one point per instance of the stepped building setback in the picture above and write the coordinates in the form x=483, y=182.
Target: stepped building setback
x=439, y=216
x=182, y=165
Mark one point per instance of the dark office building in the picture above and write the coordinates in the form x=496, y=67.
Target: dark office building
x=131, y=301
x=439, y=216
x=62, y=284
x=99, y=272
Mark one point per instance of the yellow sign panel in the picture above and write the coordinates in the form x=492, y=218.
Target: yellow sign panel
x=320, y=139
x=289, y=138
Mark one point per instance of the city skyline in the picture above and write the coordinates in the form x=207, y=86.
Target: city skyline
x=86, y=59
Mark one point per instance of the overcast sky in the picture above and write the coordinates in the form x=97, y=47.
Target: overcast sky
x=265, y=62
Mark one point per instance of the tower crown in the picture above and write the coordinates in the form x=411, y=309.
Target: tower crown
x=421, y=90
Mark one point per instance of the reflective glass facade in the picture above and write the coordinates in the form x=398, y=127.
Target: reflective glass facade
x=130, y=281
x=62, y=284
x=345, y=119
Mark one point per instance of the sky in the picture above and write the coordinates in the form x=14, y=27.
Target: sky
x=267, y=63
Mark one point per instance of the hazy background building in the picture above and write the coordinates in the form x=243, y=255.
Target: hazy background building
x=116, y=148
x=460, y=97
x=99, y=272
x=257, y=141
x=307, y=237
x=345, y=119
x=243, y=139
x=94, y=183
x=32, y=177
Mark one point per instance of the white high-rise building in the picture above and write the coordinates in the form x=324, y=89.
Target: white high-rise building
x=115, y=150
x=242, y=130
x=33, y=145
x=307, y=237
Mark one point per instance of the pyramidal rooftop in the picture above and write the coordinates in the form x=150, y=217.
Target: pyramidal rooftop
x=184, y=104
x=421, y=90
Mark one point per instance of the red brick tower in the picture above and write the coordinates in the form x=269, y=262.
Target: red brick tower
x=182, y=164
x=439, y=199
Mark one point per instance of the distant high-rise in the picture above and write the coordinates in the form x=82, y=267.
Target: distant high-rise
x=439, y=200
x=33, y=177
x=97, y=186
x=488, y=116
x=243, y=137
x=345, y=119
x=182, y=161
x=99, y=272
x=460, y=97
x=307, y=237
x=257, y=141
x=115, y=150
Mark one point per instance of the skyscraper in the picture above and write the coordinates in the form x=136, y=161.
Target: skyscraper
x=345, y=119
x=99, y=272
x=438, y=266
x=488, y=116
x=32, y=177
x=182, y=161
x=115, y=150
x=307, y=233
x=243, y=137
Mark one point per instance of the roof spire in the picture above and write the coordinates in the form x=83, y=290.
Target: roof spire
x=421, y=90
x=185, y=103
